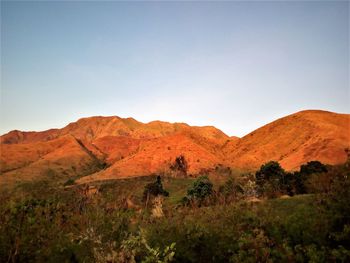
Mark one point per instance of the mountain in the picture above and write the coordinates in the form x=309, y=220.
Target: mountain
x=92, y=128
x=158, y=154
x=293, y=140
x=100, y=148
x=64, y=156
x=92, y=144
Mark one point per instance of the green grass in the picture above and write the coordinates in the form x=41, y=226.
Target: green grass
x=177, y=189
x=280, y=206
x=134, y=187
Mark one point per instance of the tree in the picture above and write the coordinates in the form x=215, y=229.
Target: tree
x=270, y=179
x=154, y=189
x=201, y=188
x=307, y=171
x=180, y=165
x=231, y=190
x=312, y=168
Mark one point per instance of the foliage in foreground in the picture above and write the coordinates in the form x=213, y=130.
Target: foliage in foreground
x=41, y=222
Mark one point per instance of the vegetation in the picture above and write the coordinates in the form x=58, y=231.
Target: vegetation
x=154, y=189
x=45, y=221
x=270, y=179
x=199, y=191
x=232, y=190
x=69, y=182
x=180, y=166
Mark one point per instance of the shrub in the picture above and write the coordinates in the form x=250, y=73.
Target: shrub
x=69, y=182
x=312, y=168
x=231, y=190
x=270, y=179
x=199, y=191
x=312, y=178
x=154, y=189
x=180, y=165
x=136, y=248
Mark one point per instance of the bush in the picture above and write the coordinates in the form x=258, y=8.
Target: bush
x=199, y=191
x=270, y=179
x=312, y=168
x=231, y=190
x=69, y=182
x=180, y=165
x=154, y=189
x=136, y=248
x=311, y=178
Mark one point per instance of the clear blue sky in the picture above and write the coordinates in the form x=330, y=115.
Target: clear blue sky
x=234, y=65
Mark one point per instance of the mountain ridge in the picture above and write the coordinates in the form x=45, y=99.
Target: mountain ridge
x=101, y=148
x=101, y=124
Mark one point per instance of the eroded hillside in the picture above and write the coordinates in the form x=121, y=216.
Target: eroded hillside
x=100, y=148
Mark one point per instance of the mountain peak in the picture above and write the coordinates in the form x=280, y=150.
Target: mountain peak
x=132, y=148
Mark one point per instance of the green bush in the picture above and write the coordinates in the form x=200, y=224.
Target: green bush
x=201, y=188
x=231, y=190
x=312, y=177
x=312, y=168
x=270, y=179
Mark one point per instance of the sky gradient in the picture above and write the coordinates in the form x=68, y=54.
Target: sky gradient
x=234, y=65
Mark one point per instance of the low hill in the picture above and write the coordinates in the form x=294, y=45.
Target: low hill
x=293, y=140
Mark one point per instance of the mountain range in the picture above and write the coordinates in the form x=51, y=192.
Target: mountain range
x=102, y=148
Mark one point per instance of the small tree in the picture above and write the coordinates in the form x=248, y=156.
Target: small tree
x=180, y=165
x=231, y=190
x=307, y=173
x=270, y=179
x=154, y=189
x=201, y=188
x=312, y=168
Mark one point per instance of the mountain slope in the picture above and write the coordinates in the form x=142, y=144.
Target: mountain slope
x=158, y=154
x=293, y=140
x=95, y=142
x=62, y=157
x=113, y=147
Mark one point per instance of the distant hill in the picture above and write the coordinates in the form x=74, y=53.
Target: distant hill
x=100, y=148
